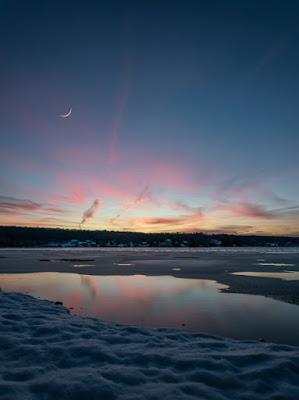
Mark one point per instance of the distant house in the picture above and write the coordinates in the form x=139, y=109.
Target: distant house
x=166, y=243
x=143, y=244
x=53, y=244
x=184, y=243
x=79, y=243
x=215, y=242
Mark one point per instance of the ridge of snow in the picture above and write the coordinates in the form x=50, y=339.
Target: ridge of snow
x=46, y=353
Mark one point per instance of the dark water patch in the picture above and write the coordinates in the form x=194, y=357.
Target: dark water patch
x=71, y=260
x=197, y=305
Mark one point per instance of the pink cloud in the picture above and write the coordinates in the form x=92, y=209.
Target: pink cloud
x=75, y=193
x=171, y=174
x=101, y=187
x=160, y=175
x=87, y=167
x=140, y=198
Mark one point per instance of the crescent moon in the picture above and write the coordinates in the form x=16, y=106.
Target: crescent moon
x=67, y=114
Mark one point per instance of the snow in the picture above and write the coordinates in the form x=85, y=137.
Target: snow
x=47, y=353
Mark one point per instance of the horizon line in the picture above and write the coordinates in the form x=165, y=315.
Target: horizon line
x=150, y=233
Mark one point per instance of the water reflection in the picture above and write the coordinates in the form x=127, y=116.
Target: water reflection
x=164, y=301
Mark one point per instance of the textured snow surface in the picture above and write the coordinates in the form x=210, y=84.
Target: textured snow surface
x=46, y=353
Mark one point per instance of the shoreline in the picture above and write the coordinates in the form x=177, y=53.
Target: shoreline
x=48, y=352
x=212, y=265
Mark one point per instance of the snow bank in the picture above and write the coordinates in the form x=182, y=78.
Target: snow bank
x=46, y=353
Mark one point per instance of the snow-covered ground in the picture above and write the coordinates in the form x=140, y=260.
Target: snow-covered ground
x=46, y=353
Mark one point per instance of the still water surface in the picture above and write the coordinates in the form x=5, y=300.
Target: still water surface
x=164, y=301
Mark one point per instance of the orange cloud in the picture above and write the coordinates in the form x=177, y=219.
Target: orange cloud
x=182, y=221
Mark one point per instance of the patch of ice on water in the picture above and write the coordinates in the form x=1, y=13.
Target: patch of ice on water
x=274, y=264
x=285, y=275
x=123, y=264
x=83, y=265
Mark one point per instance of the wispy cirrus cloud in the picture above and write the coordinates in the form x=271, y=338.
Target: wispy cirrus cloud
x=196, y=211
x=233, y=229
x=242, y=189
x=13, y=205
x=74, y=193
x=116, y=123
x=163, y=221
x=247, y=209
x=288, y=210
x=180, y=220
x=90, y=212
x=140, y=198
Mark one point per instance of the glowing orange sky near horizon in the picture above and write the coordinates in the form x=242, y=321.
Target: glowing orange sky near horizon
x=160, y=206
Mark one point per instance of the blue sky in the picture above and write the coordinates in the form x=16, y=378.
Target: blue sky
x=184, y=115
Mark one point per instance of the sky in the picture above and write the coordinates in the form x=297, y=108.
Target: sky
x=184, y=115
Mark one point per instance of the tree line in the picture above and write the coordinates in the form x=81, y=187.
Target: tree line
x=14, y=236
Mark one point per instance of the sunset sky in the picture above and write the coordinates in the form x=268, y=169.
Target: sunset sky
x=184, y=115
